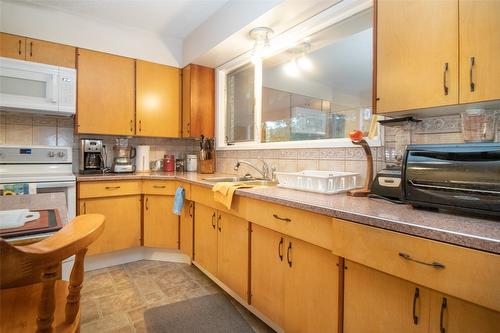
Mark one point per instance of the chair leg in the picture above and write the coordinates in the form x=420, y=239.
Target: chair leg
x=47, y=303
x=75, y=285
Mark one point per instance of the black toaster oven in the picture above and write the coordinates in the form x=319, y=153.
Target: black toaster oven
x=453, y=176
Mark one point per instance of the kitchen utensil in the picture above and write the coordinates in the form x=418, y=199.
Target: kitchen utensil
x=123, y=156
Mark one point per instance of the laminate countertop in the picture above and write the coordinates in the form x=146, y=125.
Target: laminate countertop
x=481, y=233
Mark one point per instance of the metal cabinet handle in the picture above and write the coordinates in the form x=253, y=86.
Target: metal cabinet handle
x=19, y=47
x=288, y=254
x=131, y=125
x=434, y=264
x=416, y=296
x=280, y=249
x=445, y=72
x=84, y=208
x=31, y=49
x=112, y=187
x=219, y=223
x=140, y=125
x=286, y=219
x=444, y=305
x=191, y=206
x=147, y=203
x=159, y=186
x=471, y=69
x=213, y=220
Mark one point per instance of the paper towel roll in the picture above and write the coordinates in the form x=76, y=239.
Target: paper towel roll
x=142, y=158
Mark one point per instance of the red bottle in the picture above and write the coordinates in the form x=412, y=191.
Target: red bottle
x=168, y=163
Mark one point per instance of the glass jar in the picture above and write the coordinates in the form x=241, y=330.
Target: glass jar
x=191, y=162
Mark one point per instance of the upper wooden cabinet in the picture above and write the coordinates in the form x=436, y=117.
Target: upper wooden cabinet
x=157, y=100
x=417, y=54
x=436, y=53
x=106, y=94
x=35, y=50
x=198, y=101
x=479, y=50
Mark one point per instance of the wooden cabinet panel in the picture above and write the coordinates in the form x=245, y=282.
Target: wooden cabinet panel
x=12, y=46
x=460, y=316
x=311, y=288
x=114, y=188
x=161, y=225
x=415, y=41
x=198, y=101
x=157, y=100
x=122, y=228
x=50, y=53
x=384, y=250
x=267, y=273
x=205, y=238
x=187, y=228
x=375, y=302
x=233, y=253
x=106, y=93
x=160, y=187
x=479, y=39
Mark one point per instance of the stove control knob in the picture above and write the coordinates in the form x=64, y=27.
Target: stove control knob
x=61, y=154
x=52, y=154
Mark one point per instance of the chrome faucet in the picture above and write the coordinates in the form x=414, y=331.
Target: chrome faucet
x=267, y=171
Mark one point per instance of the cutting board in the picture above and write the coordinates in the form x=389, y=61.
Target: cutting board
x=49, y=221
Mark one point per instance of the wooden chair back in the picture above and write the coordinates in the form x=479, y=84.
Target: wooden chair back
x=24, y=265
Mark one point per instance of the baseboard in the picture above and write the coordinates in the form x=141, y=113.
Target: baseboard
x=239, y=299
x=121, y=257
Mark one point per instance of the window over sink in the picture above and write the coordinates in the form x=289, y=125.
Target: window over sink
x=311, y=91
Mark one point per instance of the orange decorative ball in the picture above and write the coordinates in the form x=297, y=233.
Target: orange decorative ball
x=356, y=135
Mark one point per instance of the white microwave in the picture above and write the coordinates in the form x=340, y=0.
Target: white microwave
x=33, y=87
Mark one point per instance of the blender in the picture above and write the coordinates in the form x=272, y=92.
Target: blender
x=123, y=155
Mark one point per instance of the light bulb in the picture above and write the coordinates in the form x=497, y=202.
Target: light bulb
x=291, y=68
x=305, y=63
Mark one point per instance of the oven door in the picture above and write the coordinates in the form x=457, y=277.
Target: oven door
x=68, y=188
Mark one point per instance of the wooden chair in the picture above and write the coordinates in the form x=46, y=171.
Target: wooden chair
x=28, y=305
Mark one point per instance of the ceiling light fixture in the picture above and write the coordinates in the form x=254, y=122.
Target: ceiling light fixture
x=261, y=47
x=300, y=60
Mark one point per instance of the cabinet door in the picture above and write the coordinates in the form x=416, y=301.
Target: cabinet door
x=417, y=54
x=106, y=94
x=205, y=238
x=267, y=272
x=479, y=50
x=122, y=226
x=161, y=225
x=198, y=99
x=377, y=302
x=311, y=288
x=12, y=46
x=157, y=100
x=50, y=53
x=459, y=316
x=233, y=253
x=186, y=229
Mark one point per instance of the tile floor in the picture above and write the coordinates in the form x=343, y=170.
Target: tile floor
x=114, y=299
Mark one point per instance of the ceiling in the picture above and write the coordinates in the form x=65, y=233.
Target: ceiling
x=168, y=18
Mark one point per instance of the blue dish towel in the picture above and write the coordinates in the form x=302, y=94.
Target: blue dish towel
x=178, y=200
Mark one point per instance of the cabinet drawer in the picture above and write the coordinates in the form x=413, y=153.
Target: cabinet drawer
x=108, y=188
x=307, y=226
x=160, y=187
x=467, y=274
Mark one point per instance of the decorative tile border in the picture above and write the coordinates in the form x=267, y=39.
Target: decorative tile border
x=443, y=124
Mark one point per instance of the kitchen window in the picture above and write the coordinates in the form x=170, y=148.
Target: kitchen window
x=308, y=93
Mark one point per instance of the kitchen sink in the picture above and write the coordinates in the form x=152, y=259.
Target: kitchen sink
x=246, y=180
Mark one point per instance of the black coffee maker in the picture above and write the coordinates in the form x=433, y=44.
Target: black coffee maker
x=91, y=156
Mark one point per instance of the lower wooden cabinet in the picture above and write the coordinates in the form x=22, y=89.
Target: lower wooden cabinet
x=186, y=228
x=122, y=227
x=294, y=283
x=378, y=302
x=161, y=225
x=221, y=247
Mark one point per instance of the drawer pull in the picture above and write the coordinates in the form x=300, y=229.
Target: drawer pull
x=219, y=223
x=19, y=48
x=286, y=219
x=471, y=69
x=213, y=221
x=434, y=264
x=288, y=254
x=445, y=86
x=416, y=296
x=444, y=305
x=191, y=207
x=159, y=186
x=147, y=204
x=112, y=187
x=280, y=249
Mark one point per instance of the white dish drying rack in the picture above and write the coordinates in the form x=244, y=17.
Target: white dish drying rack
x=328, y=182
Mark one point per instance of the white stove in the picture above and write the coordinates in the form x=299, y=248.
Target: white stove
x=38, y=169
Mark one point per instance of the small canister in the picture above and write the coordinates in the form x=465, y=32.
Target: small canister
x=168, y=163
x=191, y=162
